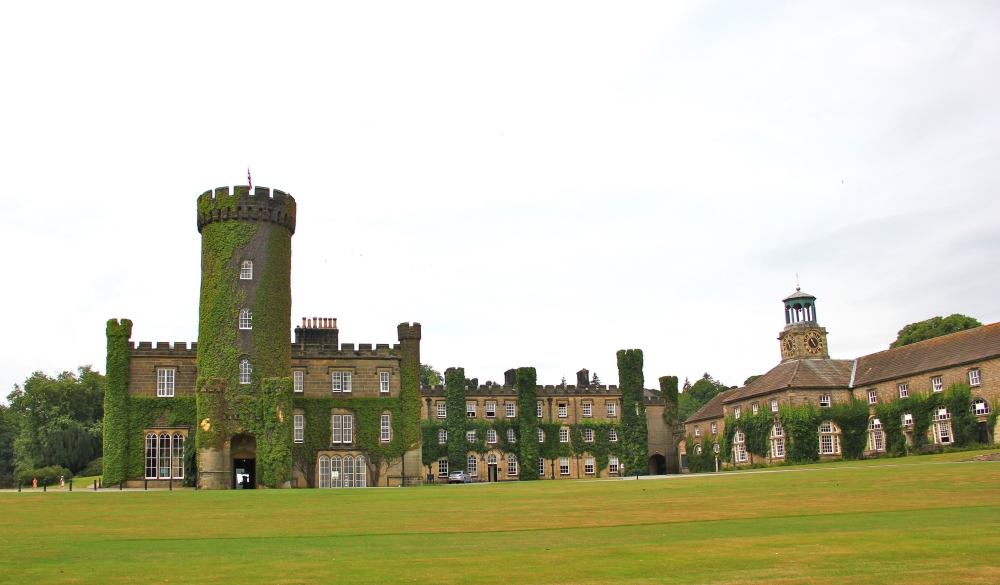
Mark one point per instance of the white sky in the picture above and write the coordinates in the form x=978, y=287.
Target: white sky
x=537, y=184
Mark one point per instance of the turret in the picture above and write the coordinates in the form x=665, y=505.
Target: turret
x=802, y=337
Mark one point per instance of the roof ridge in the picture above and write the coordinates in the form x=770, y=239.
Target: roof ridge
x=939, y=337
x=795, y=372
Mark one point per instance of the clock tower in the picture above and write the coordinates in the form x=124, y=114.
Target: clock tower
x=802, y=337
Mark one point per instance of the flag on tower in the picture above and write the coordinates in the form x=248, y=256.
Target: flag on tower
x=249, y=180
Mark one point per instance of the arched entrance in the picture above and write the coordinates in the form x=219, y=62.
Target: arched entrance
x=244, y=454
x=657, y=465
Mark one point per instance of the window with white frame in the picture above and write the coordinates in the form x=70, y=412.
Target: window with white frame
x=165, y=382
x=164, y=456
x=942, y=426
x=541, y=436
x=387, y=428
x=470, y=410
x=300, y=421
x=538, y=410
x=298, y=383
x=442, y=410
x=564, y=435
x=873, y=396
x=511, y=436
x=564, y=466
x=754, y=408
x=342, y=428
x=936, y=384
x=588, y=409
x=980, y=407
x=491, y=410
x=904, y=390
x=246, y=270
x=336, y=382
x=348, y=428
x=541, y=467
x=246, y=319
x=347, y=382
x=613, y=465
x=907, y=419
x=715, y=448
x=715, y=428
x=974, y=379
x=588, y=465
x=348, y=471
x=383, y=382
x=777, y=441
x=442, y=468
x=361, y=477
x=336, y=471
x=472, y=466
x=697, y=449
x=739, y=447
x=613, y=435
x=588, y=435
x=825, y=400
x=510, y=409
x=511, y=464
x=774, y=405
x=563, y=410
x=177, y=457
x=491, y=436
x=612, y=410
x=245, y=371
x=324, y=472
x=442, y=436
x=737, y=411
x=470, y=436
x=697, y=430
x=829, y=438
x=876, y=436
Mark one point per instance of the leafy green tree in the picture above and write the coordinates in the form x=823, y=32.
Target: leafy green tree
x=934, y=327
x=9, y=428
x=60, y=419
x=698, y=394
x=429, y=376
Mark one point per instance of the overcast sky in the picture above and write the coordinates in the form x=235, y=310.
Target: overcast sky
x=537, y=184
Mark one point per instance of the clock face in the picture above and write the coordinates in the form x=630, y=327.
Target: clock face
x=814, y=343
x=788, y=344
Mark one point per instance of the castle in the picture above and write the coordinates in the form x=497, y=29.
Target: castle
x=247, y=406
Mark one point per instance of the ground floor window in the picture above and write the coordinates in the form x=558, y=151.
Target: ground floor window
x=829, y=438
x=511, y=464
x=472, y=466
x=777, y=441
x=876, y=436
x=739, y=447
x=942, y=426
x=613, y=465
x=564, y=466
x=588, y=465
x=324, y=472
x=442, y=468
x=164, y=456
x=337, y=472
x=541, y=467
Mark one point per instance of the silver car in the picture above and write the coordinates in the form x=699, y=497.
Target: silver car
x=459, y=477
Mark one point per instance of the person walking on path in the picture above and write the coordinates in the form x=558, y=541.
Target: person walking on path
x=34, y=483
x=62, y=481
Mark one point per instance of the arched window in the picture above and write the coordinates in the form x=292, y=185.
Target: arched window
x=715, y=448
x=942, y=426
x=980, y=407
x=246, y=319
x=245, y=371
x=876, y=436
x=697, y=449
x=739, y=447
x=511, y=464
x=777, y=441
x=360, y=472
x=324, y=471
x=348, y=471
x=491, y=460
x=336, y=474
x=178, y=458
x=246, y=270
x=151, y=456
x=829, y=438
x=164, y=456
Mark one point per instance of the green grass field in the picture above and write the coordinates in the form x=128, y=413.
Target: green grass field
x=928, y=519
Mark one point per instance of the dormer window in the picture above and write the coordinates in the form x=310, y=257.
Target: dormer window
x=246, y=319
x=246, y=270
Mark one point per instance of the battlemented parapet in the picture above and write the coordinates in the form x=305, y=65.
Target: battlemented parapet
x=542, y=390
x=261, y=205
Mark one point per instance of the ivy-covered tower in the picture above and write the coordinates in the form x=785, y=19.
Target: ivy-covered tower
x=244, y=390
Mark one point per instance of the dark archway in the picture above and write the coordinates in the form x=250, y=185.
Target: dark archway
x=657, y=465
x=243, y=450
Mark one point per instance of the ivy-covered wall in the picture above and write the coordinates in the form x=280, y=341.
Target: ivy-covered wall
x=527, y=421
x=668, y=390
x=454, y=380
x=635, y=434
x=116, y=415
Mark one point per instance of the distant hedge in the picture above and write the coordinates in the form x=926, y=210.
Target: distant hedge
x=48, y=475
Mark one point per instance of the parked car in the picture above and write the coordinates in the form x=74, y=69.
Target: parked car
x=459, y=477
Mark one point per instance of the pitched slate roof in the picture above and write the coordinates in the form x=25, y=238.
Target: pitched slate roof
x=712, y=409
x=809, y=373
x=925, y=356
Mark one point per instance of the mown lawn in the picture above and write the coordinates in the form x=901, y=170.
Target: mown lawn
x=919, y=520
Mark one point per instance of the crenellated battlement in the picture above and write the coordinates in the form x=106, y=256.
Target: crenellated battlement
x=346, y=350
x=163, y=348
x=262, y=204
x=540, y=390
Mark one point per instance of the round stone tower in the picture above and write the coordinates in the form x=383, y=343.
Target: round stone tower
x=244, y=433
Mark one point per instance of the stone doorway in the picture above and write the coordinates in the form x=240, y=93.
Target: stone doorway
x=984, y=433
x=657, y=465
x=244, y=454
x=491, y=473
